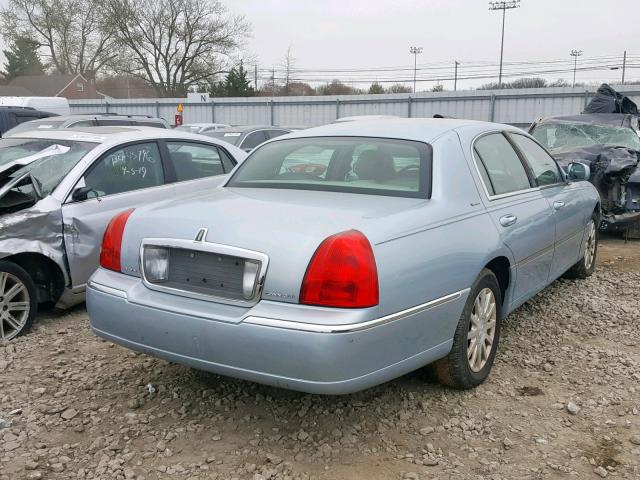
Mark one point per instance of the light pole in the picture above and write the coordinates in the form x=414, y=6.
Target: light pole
x=455, y=75
x=575, y=54
x=504, y=6
x=415, y=51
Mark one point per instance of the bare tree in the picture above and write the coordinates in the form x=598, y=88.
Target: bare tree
x=71, y=34
x=174, y=44
x=288, y=65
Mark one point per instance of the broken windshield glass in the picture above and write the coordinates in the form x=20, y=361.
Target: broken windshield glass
x=571, y=135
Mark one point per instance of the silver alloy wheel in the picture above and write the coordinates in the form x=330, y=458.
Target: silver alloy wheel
x=590, y=251
x=15, y=306
x=482, y=329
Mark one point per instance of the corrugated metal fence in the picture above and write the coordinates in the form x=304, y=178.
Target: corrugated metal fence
x=517, y=107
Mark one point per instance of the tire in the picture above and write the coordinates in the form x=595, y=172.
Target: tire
x=18, y=301
x=460, y=369
x=587, y=264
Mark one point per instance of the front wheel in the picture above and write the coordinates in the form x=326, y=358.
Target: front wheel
x=18, y=303
x=587, y=264
x=476, y=338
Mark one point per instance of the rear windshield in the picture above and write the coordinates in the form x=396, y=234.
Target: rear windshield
x=571, y=135
x=230, y=137
x=189, y=128
x=372, y=166
x=36, y=125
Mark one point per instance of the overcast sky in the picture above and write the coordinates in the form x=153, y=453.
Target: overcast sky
x=346, y=34
x=360, y=34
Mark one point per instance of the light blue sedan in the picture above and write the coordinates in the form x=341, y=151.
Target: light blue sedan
x=344, y=256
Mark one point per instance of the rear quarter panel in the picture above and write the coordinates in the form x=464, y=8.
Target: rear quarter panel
x=455, y=239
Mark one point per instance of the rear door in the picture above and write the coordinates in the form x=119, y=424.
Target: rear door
x=196, y=166
x=518, y=210
x=125, y=177
x=566, y=201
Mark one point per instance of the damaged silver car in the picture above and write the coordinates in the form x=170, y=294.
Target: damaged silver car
x=609, y=143
x=58, y=191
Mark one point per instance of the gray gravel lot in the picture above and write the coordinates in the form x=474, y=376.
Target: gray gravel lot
x=563, y=401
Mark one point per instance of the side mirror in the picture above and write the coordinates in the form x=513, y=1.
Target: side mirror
x=578, y=171
x=80, y=194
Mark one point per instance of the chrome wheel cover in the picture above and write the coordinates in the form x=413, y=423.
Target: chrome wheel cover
x=482, y=329
x=590, y=251
x=15, y=306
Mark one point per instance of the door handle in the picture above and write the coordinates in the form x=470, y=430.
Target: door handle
x=508, y=220
x=558, y=205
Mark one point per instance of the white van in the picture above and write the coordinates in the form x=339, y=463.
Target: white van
x=57, y=105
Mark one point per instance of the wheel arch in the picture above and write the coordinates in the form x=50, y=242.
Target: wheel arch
x=45, y=273
x=501, y=268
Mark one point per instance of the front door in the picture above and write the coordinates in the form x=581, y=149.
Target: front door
x=565, y=200
x=125, y=177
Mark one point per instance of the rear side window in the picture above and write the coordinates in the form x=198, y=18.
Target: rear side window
x=150, y=124
x=194, y=160
x=113, y=122
x=82, y=123
x=340, y=164
x=544, y=168
x=499, y=165
x=276, y=133
x=128, y=168
x=253, y=140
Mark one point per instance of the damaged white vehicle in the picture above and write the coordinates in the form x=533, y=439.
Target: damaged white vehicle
x=58, y=191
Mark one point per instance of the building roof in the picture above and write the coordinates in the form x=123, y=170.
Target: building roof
x=44, y=85
x=14, y=91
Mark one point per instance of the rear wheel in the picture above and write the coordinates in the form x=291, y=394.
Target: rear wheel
x=476, y=338
x=587, y=264
x=18, y=303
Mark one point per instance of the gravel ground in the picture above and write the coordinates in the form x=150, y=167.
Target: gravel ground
x=563, y=401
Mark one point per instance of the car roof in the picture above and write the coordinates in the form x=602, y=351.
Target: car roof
x=104, y=116
x=109, y=134
x=248, y=128
x=419, y=129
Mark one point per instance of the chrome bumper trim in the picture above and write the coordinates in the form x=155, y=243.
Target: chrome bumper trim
x=354, y=327
x=108, y=290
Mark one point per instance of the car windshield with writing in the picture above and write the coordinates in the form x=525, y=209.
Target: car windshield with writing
x=564, y=135
x=372, y=166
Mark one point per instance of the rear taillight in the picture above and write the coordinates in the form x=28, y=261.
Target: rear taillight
x=342, y=273
x=112, y=241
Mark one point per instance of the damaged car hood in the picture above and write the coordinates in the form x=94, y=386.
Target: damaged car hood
x=602, y=159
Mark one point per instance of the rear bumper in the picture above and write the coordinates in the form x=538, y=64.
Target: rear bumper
x=308, y=356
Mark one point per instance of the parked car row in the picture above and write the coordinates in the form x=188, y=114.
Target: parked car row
x=329, y=260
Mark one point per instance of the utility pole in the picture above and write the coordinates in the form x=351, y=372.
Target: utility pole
x=455, y=76
x=255, y=76
x=504, y=6
x=575, y=54
x=624, y=65
x=415, y=51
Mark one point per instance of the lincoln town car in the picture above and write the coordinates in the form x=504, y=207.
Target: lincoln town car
x=403, y=245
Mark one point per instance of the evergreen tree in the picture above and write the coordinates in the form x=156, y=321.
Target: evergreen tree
x=236, y=84
x=22, y=59
x=376, y=88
